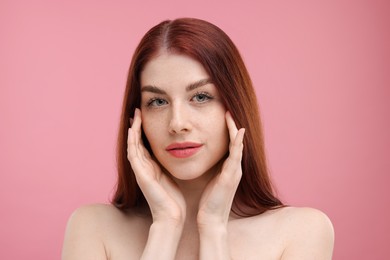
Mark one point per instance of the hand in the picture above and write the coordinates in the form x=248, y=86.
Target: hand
x=165, y=200
x=216, y=202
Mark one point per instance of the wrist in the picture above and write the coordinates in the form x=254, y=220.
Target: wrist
x=170, y=226
x=162, y=235
x=169, y=220
x=214, y=242
x=215, y=230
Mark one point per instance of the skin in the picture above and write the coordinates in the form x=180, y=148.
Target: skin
x=189, y=214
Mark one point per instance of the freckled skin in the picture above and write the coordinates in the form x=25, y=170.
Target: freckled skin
x=174, y=115
x=180, y=115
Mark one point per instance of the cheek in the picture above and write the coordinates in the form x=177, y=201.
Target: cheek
x=150, y=126
x=216, y=124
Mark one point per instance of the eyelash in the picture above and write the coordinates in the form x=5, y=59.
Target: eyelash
x=205, y=94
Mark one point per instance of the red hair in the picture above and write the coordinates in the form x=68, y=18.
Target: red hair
x=210, y=46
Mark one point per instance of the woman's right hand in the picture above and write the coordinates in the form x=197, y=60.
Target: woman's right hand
x=165, y=200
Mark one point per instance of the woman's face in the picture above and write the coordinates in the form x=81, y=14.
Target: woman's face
x=183, y=116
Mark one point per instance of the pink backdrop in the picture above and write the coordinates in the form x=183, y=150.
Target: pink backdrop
x=321, y=71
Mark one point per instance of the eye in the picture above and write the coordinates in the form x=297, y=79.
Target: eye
x=156, y=102
x=201, y=97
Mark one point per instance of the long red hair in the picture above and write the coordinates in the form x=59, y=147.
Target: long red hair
x=210, y=46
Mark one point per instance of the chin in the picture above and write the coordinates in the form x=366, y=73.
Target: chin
x=190, y=173
x=185, y=175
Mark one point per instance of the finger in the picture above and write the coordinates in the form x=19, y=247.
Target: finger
x=137, y=121
x=131, y=145
x=143, y=151
x=233, y=162
x=134, y=150
x=237, y=147
x=240, y=136
x=232, y=128
x=135, y=156
x=136, y=126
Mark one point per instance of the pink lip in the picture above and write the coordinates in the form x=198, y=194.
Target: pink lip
x=183, y=150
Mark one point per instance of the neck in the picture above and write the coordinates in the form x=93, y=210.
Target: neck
x=192, y=190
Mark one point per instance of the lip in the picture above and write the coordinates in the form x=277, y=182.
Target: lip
x=183, y=150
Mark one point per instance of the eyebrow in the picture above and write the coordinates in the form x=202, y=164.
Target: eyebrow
x=190, y=87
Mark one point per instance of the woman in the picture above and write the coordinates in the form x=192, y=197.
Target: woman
x=193, y=181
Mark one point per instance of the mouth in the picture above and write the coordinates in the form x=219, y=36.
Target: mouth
x=183, y=150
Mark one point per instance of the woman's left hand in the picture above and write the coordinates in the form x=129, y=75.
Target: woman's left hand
x=216, y=202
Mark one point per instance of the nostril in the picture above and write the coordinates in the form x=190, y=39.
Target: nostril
x=179, y=121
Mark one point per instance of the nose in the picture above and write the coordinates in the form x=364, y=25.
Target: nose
x=179, y=122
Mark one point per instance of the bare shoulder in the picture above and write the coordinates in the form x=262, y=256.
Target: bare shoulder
x=83, y=235
x=298, y=217
x=94, y=214
x=309, y=233
x=93, y=230
x=283, y=233
x=93, y=218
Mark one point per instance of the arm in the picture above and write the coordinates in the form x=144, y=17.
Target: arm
x=214, y=243
x=165, y=200
x=217, y=199
x=162, y=241
x=84, y=234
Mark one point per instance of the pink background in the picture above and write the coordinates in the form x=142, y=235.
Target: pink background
x=321, y=71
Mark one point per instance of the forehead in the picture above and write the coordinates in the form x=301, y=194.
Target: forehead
x=168, y=69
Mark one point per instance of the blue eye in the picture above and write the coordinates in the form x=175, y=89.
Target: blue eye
x=201, y=97
x=157, y=102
